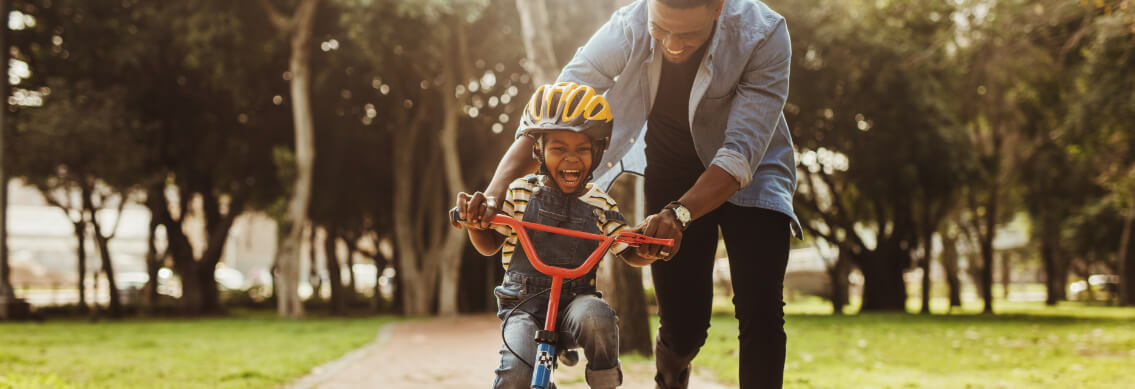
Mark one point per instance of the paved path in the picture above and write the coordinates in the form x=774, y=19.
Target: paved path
x=455, y=352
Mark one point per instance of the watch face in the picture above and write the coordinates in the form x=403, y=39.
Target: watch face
x=683, y=214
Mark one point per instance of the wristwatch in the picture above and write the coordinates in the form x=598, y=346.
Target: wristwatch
x=681, y=212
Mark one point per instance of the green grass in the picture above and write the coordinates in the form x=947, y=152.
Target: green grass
x=254, y=350
x=1026, y=345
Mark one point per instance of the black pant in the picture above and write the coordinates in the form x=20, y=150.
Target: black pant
x=757, y=242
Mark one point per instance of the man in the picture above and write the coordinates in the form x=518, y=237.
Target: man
x=698, y=87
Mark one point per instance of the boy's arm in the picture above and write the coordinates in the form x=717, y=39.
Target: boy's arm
x=487, y=242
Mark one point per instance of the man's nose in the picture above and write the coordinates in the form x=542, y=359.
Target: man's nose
x=672, y=44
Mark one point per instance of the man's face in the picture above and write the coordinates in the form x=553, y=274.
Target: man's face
x=567, y=155
x=681, y=32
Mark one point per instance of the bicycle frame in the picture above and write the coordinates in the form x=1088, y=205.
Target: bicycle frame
x=546, y=350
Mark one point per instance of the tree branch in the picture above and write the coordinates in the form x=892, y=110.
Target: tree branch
x=282, y=23
x=123, y=195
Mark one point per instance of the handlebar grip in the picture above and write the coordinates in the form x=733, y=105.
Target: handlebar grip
x=454, y=216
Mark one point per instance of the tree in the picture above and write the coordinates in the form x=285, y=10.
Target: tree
x=1102, y=115
x=541, y=59
x=96, y=158
x=7, y=293
x=298, y=27
x=870, y=115
x=437, y=98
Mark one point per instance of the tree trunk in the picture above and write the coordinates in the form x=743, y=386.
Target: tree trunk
x=1127, y=259
x=540, y=58
x=986, y=276
x=7, y=293
x=286, y=277
x=1054, y=277
x=883, y=286
x=927, y=255
x=621, y=283
x=299, y=28
x=351, y=286
x=313, y=277
x=153, y=264
x=950, y=263
x=990, y=229
x=81, y=255
x=837, y=275
x=210, y=295
x=104, y=252
x=379, y=265
x=334, y=273
x=192, y=299
x=1006, y=273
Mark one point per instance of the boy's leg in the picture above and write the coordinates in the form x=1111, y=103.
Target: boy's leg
x=757, y=241
x=595, y=327
x=520, y=333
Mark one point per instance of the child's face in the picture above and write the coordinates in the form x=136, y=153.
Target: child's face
x=567, y=155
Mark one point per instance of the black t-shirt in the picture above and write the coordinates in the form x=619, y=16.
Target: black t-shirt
x=669, y=143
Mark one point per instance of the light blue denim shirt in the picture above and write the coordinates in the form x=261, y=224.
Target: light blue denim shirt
x=736, y=103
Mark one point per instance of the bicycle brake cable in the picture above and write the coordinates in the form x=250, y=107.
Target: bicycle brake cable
x=505, y=325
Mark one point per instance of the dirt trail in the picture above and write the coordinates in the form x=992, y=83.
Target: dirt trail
x=455, y=352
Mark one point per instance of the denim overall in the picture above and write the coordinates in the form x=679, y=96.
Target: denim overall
x=584, y=319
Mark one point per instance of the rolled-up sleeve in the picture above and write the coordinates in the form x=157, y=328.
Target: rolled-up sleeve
x=757, y=106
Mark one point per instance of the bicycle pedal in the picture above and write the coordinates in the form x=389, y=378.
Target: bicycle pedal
x=569, y=357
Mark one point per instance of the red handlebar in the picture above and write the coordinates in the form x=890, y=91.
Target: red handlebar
x=558, y=274
x=521, y=227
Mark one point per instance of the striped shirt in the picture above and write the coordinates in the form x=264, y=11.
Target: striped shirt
x=608, y=218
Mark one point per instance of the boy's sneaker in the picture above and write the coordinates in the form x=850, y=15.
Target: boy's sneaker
x=569, y=357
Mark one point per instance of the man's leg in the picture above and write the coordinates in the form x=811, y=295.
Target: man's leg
x=684, y=287
x=520, y=332
x=757, y=241
x=595, y=327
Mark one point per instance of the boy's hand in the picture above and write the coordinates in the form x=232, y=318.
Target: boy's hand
x=476, y=209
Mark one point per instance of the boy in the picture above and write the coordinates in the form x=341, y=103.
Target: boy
x=571, y=124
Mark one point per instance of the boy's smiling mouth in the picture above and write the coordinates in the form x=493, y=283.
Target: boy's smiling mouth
x=570, y=177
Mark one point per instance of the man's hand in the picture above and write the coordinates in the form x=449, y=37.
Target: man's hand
x=663, y=225
x=476, y=209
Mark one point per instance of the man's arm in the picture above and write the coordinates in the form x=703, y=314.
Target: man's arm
x=602, y=58
x=517, y=162
x=753, y=118
x=595, y=64
x=713, y=188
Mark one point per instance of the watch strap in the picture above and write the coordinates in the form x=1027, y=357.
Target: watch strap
x=673, y=207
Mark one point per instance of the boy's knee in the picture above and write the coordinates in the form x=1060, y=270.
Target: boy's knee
x=601, y=329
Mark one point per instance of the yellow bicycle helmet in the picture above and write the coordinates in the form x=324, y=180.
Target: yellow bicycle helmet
x=568, y=106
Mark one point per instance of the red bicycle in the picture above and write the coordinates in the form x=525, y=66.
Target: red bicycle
x=546, y=350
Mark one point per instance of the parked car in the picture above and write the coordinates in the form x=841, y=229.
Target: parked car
x=1098, y=287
